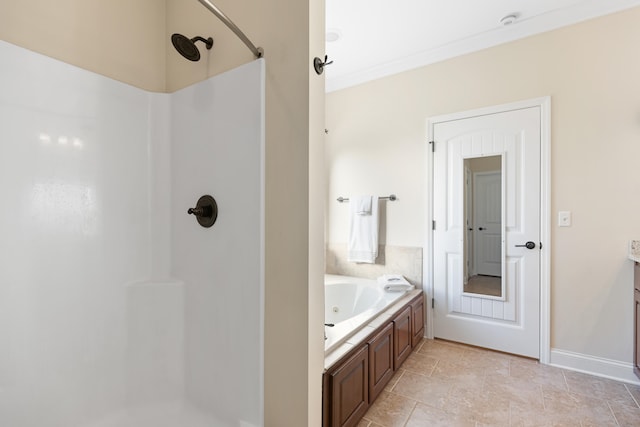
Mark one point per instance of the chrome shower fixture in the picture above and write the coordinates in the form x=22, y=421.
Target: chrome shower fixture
x=187, y=47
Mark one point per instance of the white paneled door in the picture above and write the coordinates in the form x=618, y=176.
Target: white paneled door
x=487, y=223
x=511, y=322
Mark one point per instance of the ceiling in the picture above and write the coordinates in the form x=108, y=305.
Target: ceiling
x=378, y=38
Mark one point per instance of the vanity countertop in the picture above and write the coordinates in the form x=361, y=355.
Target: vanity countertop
x=634, y=250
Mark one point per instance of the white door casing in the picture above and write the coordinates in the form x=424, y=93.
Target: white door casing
x=511, y=323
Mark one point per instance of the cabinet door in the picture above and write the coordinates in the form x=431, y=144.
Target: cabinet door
x=417, y=321
x=636, y=347
x=380, y=361
x=350, y=390
x=401, y=337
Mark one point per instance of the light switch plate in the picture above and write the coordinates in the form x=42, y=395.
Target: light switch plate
x=564, y=219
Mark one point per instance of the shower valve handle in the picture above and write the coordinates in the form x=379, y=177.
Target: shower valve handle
x=205, y=211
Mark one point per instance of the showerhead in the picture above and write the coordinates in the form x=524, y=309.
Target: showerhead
x=187, y=47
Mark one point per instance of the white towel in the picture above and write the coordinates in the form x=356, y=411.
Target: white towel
x=363, y=205
x=363, y=232
x=394, y=283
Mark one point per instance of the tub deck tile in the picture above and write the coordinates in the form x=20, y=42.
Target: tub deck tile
x=361, y=335
x=380, y=320
x=336, y=354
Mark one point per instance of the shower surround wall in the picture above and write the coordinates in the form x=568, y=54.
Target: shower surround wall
x=116, y=308
x=217, y=149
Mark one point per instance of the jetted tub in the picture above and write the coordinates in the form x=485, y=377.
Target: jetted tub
x=350, y=303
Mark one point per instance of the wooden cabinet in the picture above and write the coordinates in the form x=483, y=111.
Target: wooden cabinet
x=636, y=327
x=417, y=321
x=380, y=361
x=402, y=337
x=352, y=384
x=350, y=390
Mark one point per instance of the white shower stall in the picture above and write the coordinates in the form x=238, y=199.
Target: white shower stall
x=117, y=309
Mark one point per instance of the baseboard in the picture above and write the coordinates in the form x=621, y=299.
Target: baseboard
x=593, y=365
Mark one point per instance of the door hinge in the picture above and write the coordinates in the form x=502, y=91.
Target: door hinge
x=433, y=146
x=433, y=225
x=433, y=303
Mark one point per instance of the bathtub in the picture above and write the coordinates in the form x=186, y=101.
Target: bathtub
x=351, y=303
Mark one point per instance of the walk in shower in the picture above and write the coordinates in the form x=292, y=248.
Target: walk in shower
x=117, y=309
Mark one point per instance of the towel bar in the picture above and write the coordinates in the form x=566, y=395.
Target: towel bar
x=391, y=197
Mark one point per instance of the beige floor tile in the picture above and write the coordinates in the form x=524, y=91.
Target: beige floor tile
x=635, y=392
x=459, y=373
x=602, y=388
x=420, y=363
x=484, y=407
x=491, y=362
x=547, y=376
x=516, y=390
x=363, y=423
x=590, y=411
x=420, y=344
x=597, y=421
x=524, y=415
x=443, y=350
x=626, y=416
x=425, y=415
x=394, y=380
x=432, y=391
x=486, y=285
x=450, y=384
x=390, y=410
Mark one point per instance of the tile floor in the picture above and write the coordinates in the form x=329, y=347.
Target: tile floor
x=448, y=384
x=487, y=285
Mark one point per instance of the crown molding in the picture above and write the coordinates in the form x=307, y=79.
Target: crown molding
x=500, y=35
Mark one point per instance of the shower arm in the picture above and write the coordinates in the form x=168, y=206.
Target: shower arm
x=257, y=51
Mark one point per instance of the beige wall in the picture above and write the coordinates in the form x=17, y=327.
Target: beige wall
x=316, y=215
x=92, y=34
x=120, y=39
x=378, y=141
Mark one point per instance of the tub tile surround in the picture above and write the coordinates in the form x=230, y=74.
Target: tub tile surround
x=391, y=260
x=634, y=250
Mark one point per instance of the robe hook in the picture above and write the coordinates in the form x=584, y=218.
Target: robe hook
x=319, y=64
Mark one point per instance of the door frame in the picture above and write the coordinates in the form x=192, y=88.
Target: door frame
x=544, y=103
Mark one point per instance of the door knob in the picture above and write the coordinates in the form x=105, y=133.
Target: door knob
x=528, y=245
x=481, y=228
